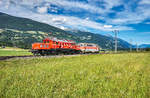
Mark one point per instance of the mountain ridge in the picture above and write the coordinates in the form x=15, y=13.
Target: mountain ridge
x=144, y=46
x=21, y=32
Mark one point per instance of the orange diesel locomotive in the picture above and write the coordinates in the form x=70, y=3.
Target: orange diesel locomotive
x=56, y=46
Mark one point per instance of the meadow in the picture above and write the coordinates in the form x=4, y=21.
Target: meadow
x=89, y=76
x=10, y=51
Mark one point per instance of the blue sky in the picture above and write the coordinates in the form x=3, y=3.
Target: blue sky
x=130, y=17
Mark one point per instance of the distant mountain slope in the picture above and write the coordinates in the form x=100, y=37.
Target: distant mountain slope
x=22, y=32
x=103, y=41
x=144, y=46
x=24, y=24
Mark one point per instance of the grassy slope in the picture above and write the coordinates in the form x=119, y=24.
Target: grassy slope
x=21, y=32
x=10, y=51
x=120, y=75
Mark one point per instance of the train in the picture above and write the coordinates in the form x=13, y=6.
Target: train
x=54, y=46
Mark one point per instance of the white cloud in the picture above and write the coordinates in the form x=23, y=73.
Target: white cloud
x=144, y=2
x=61, y=21
x=77, y=22
x=87, y=18
x=7, y=4
x=42, y=9
x=147, y=23
x=54, y=10
x=72, y=4
x=129, y=16
x=111, y=3
x=108, y=4
x=0, y=2
x=58, y=20
x=107, y=26
x=63, y=28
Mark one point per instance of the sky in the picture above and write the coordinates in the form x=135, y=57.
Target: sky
x=130, y=17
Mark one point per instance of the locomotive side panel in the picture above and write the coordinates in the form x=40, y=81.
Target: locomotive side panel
x=89, y=48
x=55, y=47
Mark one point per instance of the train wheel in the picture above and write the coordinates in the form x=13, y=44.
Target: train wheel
x=35, y=53
x=42, y=53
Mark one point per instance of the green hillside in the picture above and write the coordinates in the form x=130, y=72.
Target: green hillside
x=103, y=41
x=22, y=32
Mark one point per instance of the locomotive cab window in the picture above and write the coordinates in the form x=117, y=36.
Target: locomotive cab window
x=47, y=46
x=81, y=45
x=41, y=46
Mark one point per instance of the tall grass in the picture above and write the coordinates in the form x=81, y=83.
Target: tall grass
x=119, y=75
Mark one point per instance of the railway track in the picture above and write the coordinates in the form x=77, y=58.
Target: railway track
x=10, y=57
x=32, y=56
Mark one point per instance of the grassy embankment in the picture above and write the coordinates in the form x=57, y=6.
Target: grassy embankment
x=10, y=51
x=109, y=75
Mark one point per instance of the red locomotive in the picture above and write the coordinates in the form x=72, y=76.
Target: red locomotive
x=56, y=46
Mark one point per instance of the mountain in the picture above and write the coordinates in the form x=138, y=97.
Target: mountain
x=103, y=41
x=22, y=32
x=144, y=46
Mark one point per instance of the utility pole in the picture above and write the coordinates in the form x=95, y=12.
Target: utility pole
x=137, y=47
x=131, y=45
x=116, y=40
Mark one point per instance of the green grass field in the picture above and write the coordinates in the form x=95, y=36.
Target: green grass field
x=110, y=75
x=9, y=51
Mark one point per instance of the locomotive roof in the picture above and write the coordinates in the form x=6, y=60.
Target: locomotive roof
x=59, y=40
x=88, y=43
